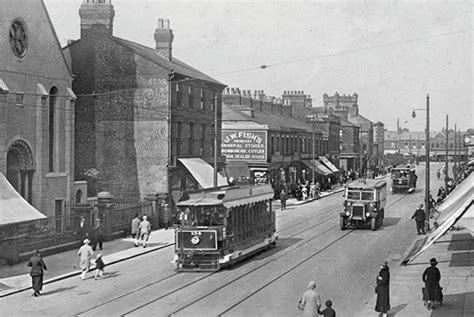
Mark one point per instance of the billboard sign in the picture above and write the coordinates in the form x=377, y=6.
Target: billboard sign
x=244, y=145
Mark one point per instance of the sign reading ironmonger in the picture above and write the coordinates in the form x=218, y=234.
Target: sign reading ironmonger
x=244, y=145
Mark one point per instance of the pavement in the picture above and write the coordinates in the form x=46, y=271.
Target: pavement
x=453, y=251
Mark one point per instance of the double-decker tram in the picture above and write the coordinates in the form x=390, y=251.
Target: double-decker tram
x=220, y=227
x=403, y=178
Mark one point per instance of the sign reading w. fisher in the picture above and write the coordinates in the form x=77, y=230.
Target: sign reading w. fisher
x=244, y=145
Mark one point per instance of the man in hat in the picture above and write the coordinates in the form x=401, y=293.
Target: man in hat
x=420, y=218
x=98, y=237
x=83, y=229
x=431, y=277
x=85, y=253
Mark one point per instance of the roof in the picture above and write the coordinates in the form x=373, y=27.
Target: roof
x=229, y=197
x=367, y=182
x=279, y=122
x=203, y=172
x=13, y=207
x=174, y=64
x=359, y=120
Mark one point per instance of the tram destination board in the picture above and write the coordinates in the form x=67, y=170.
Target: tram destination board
x=196, y=239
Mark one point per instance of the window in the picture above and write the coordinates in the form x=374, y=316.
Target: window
x=190, y=95
x=392, y=144
x=213, y=102
x=178, y=138
x=19, y=99
x=203, y=139
x=202, y=99
x=278, y=144
x=272, y=145
x=191, y=137
x=52, y=104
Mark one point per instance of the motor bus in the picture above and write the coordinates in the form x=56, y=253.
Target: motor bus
x=364, y=203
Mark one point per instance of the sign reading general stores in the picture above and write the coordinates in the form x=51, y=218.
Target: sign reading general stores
x=244, y=145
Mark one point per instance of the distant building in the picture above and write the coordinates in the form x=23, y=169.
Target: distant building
x=145, y=121
x=263, y=142
x=413, y=143
x=36, y=110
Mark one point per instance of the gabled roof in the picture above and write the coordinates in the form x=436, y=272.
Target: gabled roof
x=171, y=65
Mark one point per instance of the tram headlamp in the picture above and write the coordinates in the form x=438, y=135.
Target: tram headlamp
x=348, y=213
x=195, y=240
x=367, y=214
x=224, y=233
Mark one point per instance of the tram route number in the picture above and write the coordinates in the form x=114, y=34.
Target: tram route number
x=196, y=233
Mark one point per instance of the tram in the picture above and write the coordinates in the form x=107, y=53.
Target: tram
x=403, y=178
x=220, y=227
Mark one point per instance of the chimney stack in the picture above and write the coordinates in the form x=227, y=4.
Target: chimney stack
x=97, y=18
x=164, y=39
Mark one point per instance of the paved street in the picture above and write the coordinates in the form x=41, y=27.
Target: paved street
x=311, y=247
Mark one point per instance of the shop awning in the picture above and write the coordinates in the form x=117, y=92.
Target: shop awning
x=328, y=164
x=203, y=172
x=320, y=168
x=13, y=207
x=457, y=205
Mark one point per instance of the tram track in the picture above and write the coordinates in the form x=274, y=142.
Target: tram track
x=233, y=280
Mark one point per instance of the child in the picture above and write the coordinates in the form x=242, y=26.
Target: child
x=328, y=311
x=99, y=266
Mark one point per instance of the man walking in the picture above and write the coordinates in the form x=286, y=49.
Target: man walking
x=145, y=229
x=420, y=218
x=98, y=237
x=135, y=229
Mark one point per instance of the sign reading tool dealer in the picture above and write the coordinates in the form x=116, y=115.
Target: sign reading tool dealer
x=244, y=145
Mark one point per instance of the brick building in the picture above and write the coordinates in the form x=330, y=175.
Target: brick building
x=36, y=111
x=263, y=142
x=145, y=121
x=346, y=107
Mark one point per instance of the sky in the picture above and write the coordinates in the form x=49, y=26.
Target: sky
x=391, y=53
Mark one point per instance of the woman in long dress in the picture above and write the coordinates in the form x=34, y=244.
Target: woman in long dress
x=382, y=290
x=37, y=266
x=85, y=252
x=311, y=301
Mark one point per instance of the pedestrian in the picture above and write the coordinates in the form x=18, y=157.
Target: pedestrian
x=382, y=289
x=420, y=218
x=328, y=311
x=99, y=231
x=37, y=266
x=145, y=229
x=431, y=276
x=166, y=215
x=310, y=302
x=85, y=253
x=135, y=229
x=283, y=198
x=83, y=229
x=99, y=266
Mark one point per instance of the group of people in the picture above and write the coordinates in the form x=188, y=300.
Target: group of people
x=95, y=236
x=310, y=303
x=432, y=291
x=141, y=230
x=85, y=253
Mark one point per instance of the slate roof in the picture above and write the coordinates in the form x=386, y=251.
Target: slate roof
x=273, y=121
x=174, y=64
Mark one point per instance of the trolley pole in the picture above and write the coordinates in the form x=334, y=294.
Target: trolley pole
x=446, y=170
x=215, y=140
x=314, y=163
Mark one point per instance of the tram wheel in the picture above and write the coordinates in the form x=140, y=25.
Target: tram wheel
x=342, y=223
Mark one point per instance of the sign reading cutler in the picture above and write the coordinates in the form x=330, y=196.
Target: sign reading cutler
x=244, y=145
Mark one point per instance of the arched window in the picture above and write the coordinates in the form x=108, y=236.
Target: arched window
x=78, y=196
x=52, y=105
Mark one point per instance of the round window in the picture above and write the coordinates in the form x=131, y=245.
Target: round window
x=18, y=38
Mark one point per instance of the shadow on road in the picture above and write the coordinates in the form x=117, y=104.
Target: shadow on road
x=58, y=290
x=111, y=274
x=390, y=221
x=453, y=305
x=395, y=310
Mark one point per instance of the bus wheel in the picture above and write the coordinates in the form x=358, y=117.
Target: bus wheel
x=342, y=222
x=373, y=224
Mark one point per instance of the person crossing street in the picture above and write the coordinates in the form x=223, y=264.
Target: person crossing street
x=420, y=218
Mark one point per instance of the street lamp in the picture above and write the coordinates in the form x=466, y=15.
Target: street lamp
x=312, y=119
x=427, y=167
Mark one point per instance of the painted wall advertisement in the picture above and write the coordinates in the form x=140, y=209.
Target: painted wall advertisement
x=244, y=145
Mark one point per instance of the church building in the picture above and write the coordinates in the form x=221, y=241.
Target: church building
x=36, y=116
